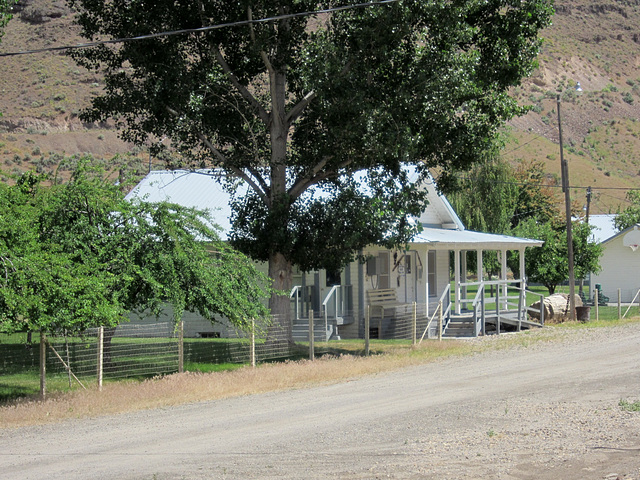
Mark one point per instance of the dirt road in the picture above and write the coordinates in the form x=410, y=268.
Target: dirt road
x=544, y=411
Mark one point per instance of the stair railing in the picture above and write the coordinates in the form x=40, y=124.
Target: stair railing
x=337, y=297
x=443, y=310
x=478, y=311
x=296, y=290
x=332, y=295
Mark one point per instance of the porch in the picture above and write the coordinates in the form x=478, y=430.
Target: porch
x=481, y=308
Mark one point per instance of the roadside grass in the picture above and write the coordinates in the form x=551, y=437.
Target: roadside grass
x=341, y=361
x=629, y=406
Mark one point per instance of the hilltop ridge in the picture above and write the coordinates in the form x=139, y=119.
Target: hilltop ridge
x=596, y=44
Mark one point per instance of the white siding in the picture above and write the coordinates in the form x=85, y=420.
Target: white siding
x=442, y=272
x=620, y=269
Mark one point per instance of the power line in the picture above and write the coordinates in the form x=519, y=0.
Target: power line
x=200, y=29
x=542, y=185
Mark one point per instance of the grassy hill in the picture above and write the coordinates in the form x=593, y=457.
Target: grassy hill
x=596, y=44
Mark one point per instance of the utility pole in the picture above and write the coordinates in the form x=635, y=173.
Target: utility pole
x=564, y=170
x=587, y=222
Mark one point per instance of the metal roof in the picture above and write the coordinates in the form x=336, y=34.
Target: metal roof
x=443, y=239
x=202, y=190
x=199, y=190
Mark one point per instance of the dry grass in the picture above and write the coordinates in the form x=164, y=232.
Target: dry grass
x=195, y=387
x=185, y=388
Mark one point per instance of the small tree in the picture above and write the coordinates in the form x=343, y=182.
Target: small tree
x=79, y=255
x=548, y=264
x=631, y=214
x=5, y=13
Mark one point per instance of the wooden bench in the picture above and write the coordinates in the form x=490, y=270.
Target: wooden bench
x=382, y=298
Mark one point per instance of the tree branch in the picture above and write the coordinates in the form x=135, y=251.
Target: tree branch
x=297, y=110
x=304, y=183
x=224, y=162
x=262, y=113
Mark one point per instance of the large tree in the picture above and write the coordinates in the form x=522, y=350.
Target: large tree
x=294, y=106
x=78, y=255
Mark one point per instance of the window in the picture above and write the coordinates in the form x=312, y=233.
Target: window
x=378, y=270
x=431, y=274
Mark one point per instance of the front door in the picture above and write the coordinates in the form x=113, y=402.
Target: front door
x=406, y=268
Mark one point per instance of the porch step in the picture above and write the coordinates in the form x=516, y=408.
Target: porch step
x=300, y=331
x=460, y=327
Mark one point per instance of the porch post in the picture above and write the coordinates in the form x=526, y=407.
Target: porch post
x=425, y=275
x=503, y=264
x=360, y=310
x=480, y=266
x=523, y=285
x=463, y=271
x=456, y=257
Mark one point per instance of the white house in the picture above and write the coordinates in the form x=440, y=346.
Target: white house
x=420, y=274
x=620, y=259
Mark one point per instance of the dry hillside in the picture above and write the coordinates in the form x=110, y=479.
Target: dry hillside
x=597, y=45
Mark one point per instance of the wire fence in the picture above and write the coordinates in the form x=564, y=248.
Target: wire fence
x=145, y=350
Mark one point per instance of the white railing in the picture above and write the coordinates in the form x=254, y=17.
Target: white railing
x=296, y=290
x=337, y=298
x=507, y=303
x=478, y=307
x=443, y=311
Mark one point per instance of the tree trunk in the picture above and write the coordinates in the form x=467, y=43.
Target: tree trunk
x=280, y=272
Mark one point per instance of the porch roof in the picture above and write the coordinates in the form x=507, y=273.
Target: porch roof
x=442, y=239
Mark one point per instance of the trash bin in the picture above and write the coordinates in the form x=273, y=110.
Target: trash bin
x=583, y=314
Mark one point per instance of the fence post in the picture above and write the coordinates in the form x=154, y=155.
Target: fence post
x=498, y=309
x=43, y=365
x=414, y=326
x=181, y=348
x=312, y=353
x=440, y=320
x=252, y=347
x=619, y=304
x=366, y=331
x=100, y=356
x=596, y=302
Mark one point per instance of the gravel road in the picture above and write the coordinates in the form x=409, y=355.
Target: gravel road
x=548, y=410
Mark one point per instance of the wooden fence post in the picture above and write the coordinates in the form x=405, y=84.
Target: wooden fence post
x=181, y=348
x=619, y=304
x=312, y=339
x=414, y=326
x=252, y=347
x=366, y=331
x=100, y=356
x=596, y=302
x=43, y=365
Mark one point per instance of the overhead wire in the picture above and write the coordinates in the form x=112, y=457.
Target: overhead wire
x=273, y=19
x=200, y=29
